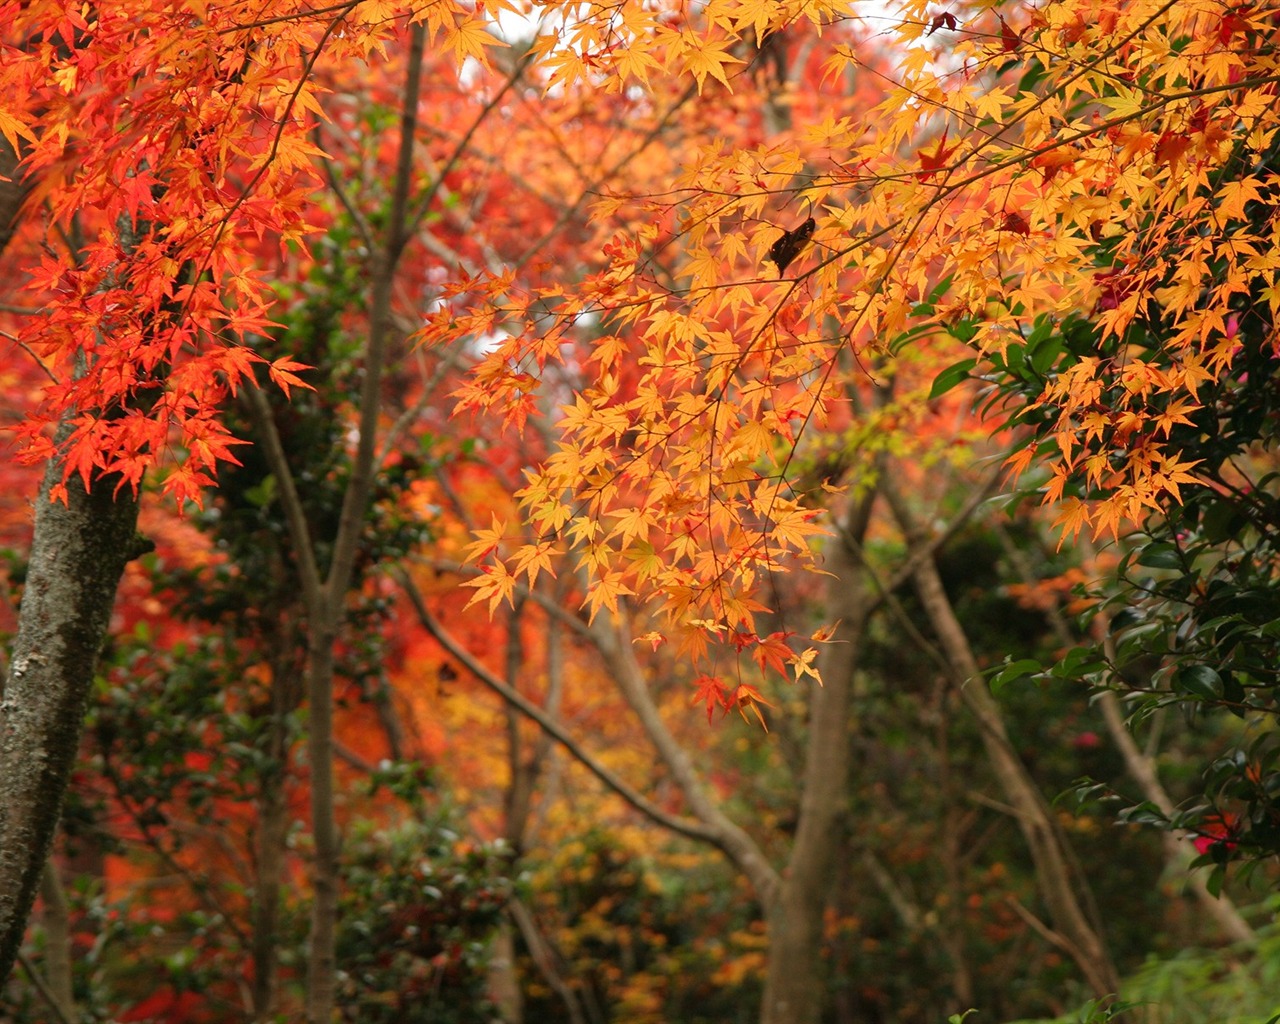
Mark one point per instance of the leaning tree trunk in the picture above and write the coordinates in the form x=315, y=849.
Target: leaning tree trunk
x=1056, y=877
x=78, y=554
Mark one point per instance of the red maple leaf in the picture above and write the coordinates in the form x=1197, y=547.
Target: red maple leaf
x=710, y=691
x=945, y=20
x=931, y=163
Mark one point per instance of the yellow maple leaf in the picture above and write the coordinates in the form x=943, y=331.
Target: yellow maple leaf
x=470, y=38
x=702, y=58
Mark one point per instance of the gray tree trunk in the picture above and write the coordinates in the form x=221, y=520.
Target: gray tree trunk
x=78, y=553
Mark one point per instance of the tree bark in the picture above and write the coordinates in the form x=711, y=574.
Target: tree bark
x=272, y=834
x=13, y=192
x=78, y=554
x=794, y=986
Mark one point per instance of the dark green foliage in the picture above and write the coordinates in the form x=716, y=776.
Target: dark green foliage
x=418, y=912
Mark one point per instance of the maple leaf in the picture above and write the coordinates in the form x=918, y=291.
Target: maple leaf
x=749, y=699
x=1015, y=222
x=702, y=58
x=931, y=163
x=773, y=652
x=945, y=19
x=532, y=559
x=471, y=39
x=13, y=128
x=487, y=541
x=790, y=244
x=802, y=664
x=605, y=592
x=281, y=372
x=712, y=693
x=494, y=584
x=1009, y=39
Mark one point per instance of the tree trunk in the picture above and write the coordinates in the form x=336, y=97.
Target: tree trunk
x=57, y=940
x=272, y=834
x=321, y=961
x=795, y=990
x=78, y=553
x=1177, y=851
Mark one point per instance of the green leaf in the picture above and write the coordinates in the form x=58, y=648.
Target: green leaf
x=938, y=292
x=951, y=376
x=1014, y=671
x=1199, y=681
x=1160, y=556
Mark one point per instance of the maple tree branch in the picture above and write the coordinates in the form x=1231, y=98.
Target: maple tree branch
x=737, y=844
x=295, y=514
x=928, y=547
x=1140, y=765
x=13, y=339
x=569, y=212
x=357, y=218
x=224, y=223
x=541, y=953
x=463, y=143
x=345, y=7
x=1178, y=855
x=325, y=617
x=689, y=828
x=449, y=359
x=1043, y=930
x=42, y=986
x=1143, y=770
x=364, y=465
x=571, y=619
x=56, y=919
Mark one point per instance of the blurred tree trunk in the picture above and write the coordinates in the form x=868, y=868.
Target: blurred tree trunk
x=273, y=830
x=13, y=192
x=794, y=985
x=57, y=940
x=1140, y=766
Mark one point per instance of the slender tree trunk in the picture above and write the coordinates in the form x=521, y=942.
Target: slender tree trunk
x=78, y=553
x=1141, y=767
x=57, y=940
x=794, y=984
x=503, y=979
x=1074, y=934
x=1177, y=851
x=272, y=835
x=322, y=964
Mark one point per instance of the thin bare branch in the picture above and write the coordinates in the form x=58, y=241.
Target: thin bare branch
x=682, y=826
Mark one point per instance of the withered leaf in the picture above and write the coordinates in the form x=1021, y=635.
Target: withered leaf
x=790, y=245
